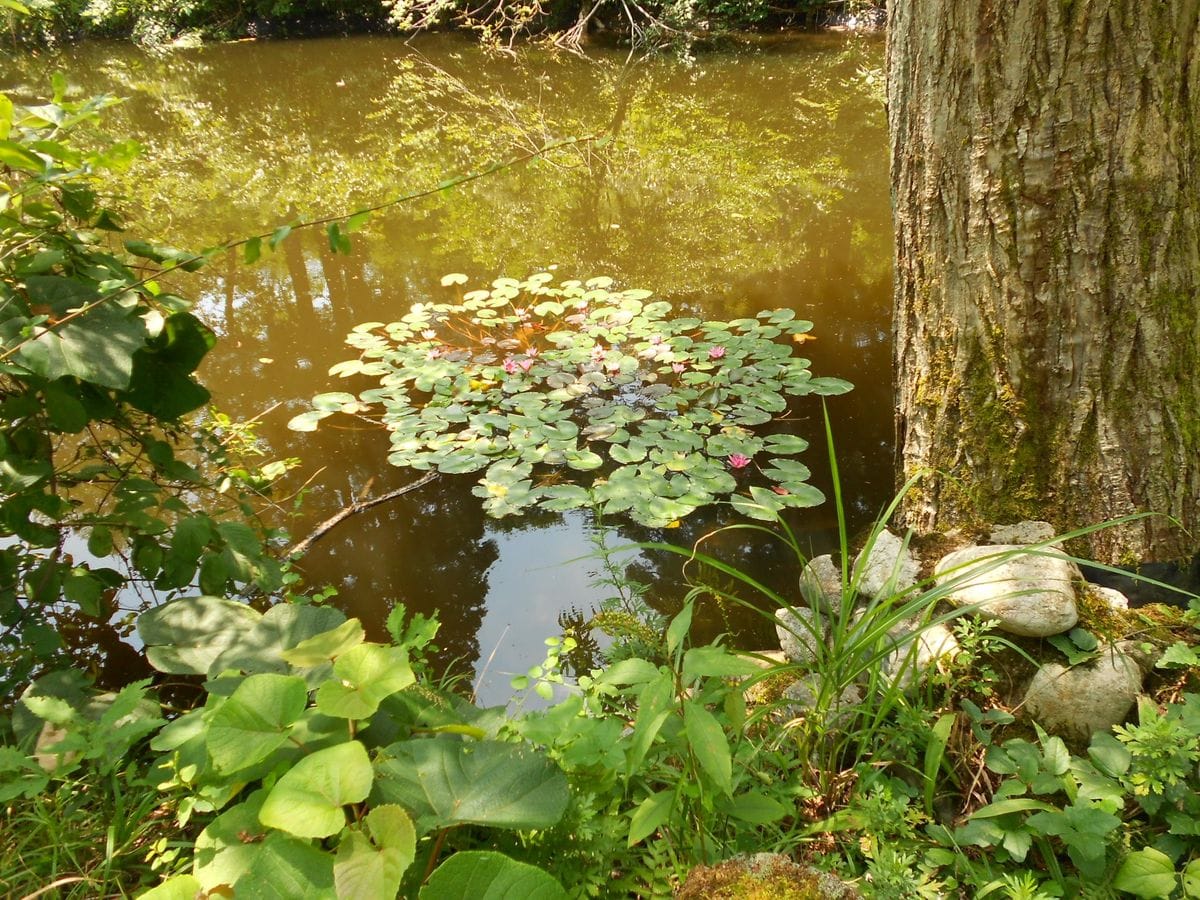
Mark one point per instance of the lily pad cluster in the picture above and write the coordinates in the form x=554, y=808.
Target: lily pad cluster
x=529, y=381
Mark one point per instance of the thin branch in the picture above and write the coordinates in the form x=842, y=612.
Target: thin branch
x=358, y=506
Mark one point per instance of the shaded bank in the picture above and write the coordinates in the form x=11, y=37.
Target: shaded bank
x=568, y=23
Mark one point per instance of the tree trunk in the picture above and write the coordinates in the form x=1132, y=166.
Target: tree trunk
x=1046, y=188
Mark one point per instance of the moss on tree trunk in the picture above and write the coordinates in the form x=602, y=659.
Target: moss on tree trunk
x=1046, y=186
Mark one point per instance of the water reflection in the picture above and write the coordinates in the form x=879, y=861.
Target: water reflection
x=735, y=182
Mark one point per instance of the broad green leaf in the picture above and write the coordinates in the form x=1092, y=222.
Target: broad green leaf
x=279, y=235
x=84, y=591
x=180, y=887
x=709, y=745
x=649, y=816
x=655, y=702
x=65, y=411
x=363, y=677
x=283, y=627
x=327, y=645
x=678, y=629
x=308, y=799
x=1179, y=655
x=487, y=875
x=183, y=637
x=374, y=866
x=1191, y=879
x=629, y=671
x=757, y=808
x=718, y=662
x=226, y=848
x=1146, y=873
x=97, y=347
x=449, y=782
x=52, y=709
x=255, y=720
x=286, y=868
x=357, y=221
x=252, y=250
x=15, y=156
x=1013, y=804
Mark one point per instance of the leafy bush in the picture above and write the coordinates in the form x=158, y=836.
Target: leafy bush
x=156, y=22
x=96, y=363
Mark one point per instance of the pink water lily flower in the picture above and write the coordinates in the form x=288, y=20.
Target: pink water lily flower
x=510, y=366
x=429, y=334
x=526, y=365
x=716, y=352
x=737, y=461
x=678, y=367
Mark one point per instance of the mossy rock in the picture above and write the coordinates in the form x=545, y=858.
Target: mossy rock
x=764, y=876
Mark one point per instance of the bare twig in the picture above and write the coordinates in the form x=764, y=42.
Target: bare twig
x=358, y=506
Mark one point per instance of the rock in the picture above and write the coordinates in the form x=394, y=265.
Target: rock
x=1078, y=702
x=1144, y=653
x=1021, y=533
x=767, y=659
x=50, y=737
x=933, y=644
x=1030, y=594
x=767, y=876
x=1110, y=597
x=821, y=583
x=889, y=569
x=802, y=697
x=801, y=631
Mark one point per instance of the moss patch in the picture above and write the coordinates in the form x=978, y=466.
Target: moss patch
x=767, y=876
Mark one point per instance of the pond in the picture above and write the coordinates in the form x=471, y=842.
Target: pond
x=735, y=181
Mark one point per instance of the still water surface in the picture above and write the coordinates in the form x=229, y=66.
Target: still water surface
x=735, y=182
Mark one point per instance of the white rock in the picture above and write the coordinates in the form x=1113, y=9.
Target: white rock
x=801, y=631
x=910, y=664
x=1144, y=653
x=1021, y=533
x=766, y=659
x=1076, y=703
x=821, y=583
x=890, y=569
x=1028, y=593
x=804, y=694
x=1110, y=597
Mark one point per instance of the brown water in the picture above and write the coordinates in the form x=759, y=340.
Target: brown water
x=736, y=182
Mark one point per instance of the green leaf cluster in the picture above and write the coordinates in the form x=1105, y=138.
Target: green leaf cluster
x=97, y=366
x=1053, y=803
x=328, y=767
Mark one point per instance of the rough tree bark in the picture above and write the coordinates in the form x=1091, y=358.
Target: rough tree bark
x=1046, y=188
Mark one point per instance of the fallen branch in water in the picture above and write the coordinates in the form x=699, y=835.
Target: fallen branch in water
x=301, y=547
